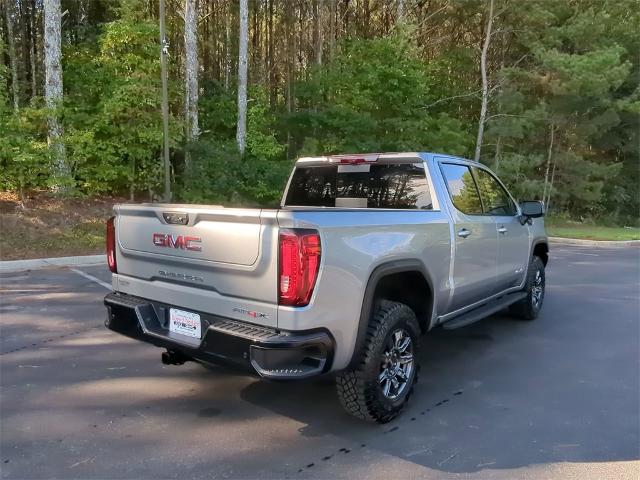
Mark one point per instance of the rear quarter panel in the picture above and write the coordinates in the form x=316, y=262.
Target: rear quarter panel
x=354, y=243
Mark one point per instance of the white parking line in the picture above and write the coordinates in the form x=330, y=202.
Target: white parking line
x=577, y=253
x=92, y=278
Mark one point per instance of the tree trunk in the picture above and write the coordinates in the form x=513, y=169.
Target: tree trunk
x=207, y=46
x=273, y=91
x=53, y=86
x=317, y=21
x=400, y=12
x=164, y=53
x=191, y=68
x=13, y=61
x=546, y=173
x=227, y=47
x=366, y=19
x=345, y=18
x=82, y=21
x=332, y=28
x=24, y=35
x=289, y=26
x=290, y=38
x=255, y=40
x=241, y=133
x=485, y=84
x=496, y=163
x=33, y=41
x=499, y=94
x=547, y=205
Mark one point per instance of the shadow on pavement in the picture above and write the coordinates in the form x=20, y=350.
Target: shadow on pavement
x=489, y=396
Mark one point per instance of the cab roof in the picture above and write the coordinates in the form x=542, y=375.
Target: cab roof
x=388, y=157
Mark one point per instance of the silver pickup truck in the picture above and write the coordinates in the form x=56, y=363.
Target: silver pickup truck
x=366, y=253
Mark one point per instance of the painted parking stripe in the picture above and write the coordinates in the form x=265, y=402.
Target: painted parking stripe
x=92, y=278
x=577, y=253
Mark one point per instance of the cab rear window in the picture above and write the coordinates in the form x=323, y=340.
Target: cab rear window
x=396, y=186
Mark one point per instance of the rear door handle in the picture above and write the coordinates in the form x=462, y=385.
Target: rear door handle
x=502, y=230
x=464, y=233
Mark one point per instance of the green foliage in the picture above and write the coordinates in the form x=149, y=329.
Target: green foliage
x=591, y=232
x=522, y=173
x=24, y=157
x=217, y=173
x=576, y=79
x=115, y=138
x=372, y=97
x=221, y=176
x=570, y=66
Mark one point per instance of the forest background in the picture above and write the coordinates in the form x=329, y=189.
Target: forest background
x=545, y=92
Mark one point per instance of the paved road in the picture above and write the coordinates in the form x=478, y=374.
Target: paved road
x=556, y=398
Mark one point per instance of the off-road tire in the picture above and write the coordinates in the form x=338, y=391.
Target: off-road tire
x=359, y=388
x=527, y=308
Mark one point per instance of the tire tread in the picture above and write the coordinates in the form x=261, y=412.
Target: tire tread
x=523, y=309
x=355, y=391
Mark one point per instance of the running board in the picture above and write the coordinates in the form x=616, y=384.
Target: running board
x=483, y=311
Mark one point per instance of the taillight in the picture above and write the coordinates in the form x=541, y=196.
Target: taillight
x=111, y=245
x=299, y=264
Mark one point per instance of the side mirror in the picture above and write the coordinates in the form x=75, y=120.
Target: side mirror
x=531, y=209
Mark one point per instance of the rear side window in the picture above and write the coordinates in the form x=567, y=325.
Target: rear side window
x=462, y=188
x=495, y=199
x=398, y=186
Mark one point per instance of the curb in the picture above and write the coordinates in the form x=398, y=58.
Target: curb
x=36, y=263
x=596, y=243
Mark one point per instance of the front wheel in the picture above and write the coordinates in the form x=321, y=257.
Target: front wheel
x=529, y=307
x=380, y=385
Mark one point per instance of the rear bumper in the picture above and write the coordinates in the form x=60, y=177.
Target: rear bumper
x=271, y=353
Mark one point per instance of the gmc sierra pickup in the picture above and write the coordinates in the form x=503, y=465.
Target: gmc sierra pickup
x=366, y=253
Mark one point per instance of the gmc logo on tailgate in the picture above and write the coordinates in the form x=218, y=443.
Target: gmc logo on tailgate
x=182, y=242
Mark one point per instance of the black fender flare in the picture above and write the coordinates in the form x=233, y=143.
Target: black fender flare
x=540, y=241
x=368, y=301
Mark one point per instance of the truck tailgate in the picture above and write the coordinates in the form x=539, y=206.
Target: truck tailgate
x=227, y=254
x=210, y=235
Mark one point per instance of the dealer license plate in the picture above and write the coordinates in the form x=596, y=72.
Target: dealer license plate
x=185, y=323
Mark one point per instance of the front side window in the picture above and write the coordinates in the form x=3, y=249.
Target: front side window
x=396, y=186
x=495, y=199
x=462, y=188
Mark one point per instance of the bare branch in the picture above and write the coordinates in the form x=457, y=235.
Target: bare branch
x=433, y=14
x=496, y=115
x=470, y=94
x=203, y=18
x=519, y=60
x=507, y=30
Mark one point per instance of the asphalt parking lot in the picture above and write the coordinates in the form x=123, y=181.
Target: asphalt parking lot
x=554, y=398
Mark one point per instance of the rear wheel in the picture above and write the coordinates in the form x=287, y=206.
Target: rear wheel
x=378, y=388
x=529, y=307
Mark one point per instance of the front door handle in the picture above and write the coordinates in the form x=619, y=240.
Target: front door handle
x=464, y=233
x=502, y=230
